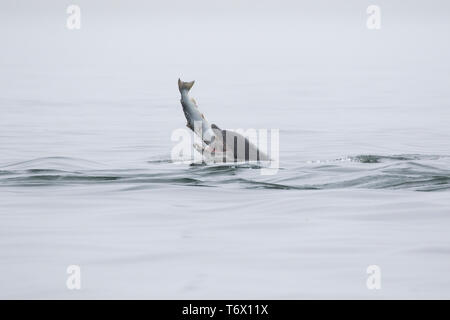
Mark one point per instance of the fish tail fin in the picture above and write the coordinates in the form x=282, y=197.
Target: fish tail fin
x=185, y=85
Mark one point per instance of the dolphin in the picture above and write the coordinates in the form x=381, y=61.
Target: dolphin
x=237, y=146
x=196, y=121
x=221, y=145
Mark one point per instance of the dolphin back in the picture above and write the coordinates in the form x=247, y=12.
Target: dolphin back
x=239, y=145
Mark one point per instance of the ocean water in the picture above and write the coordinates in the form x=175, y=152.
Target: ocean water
x=87, y=178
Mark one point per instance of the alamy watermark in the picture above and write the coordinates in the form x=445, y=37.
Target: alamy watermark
x=73, y=281
x=73, y=21
x=374, y=18
x=373, y=281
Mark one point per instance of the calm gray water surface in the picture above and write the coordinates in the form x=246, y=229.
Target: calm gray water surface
x=86, y=176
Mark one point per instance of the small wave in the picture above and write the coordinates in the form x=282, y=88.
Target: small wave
x=378, y=159
x=253, y=184
x=56, y=163
x=160, y=161
x=398, y=172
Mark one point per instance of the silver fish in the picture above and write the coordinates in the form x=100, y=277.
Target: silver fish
x=196, y=121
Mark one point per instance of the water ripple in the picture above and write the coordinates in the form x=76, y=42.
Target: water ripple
x=409, y=172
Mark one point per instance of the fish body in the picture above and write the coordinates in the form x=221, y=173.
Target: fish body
x=196, y=121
